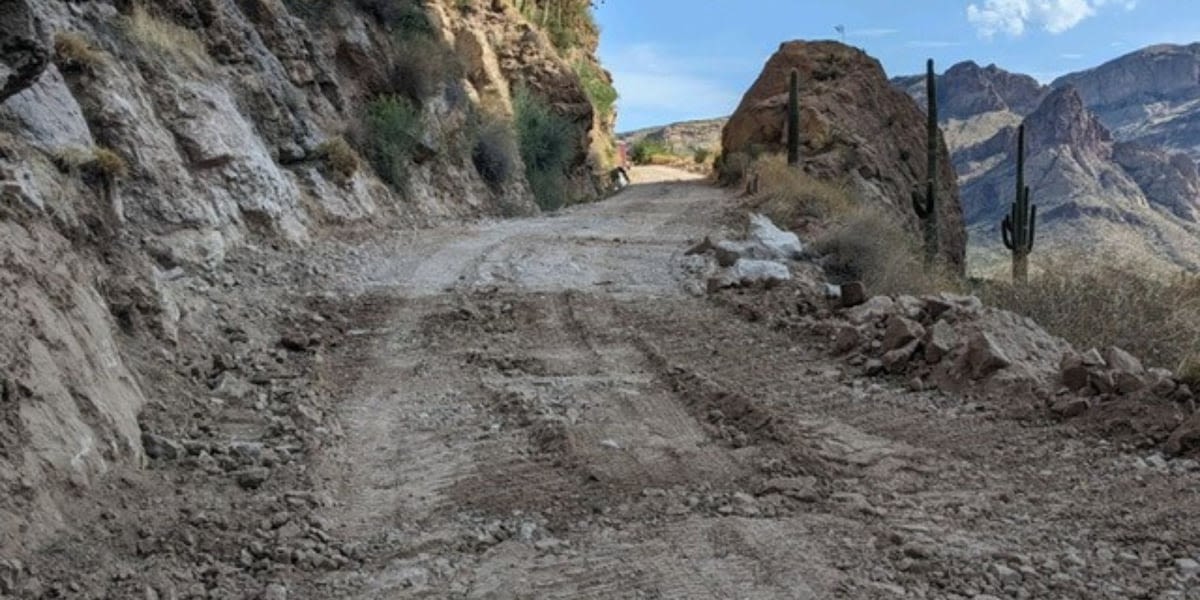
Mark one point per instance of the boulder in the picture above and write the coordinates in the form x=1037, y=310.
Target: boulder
x=1075, y=374
x=1161, y=382
x=1069, y=408
x=1122, y=362
x=775, y=242
x=750, y=272
x=900, y=332
x=871, y=311
x=854, y=122
x=985, y=356
x=940, y=340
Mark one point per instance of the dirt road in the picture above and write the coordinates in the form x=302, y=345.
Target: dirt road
x=545, y=408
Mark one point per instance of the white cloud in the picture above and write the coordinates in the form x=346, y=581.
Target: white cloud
x=1013, y=17
x=1071, y=55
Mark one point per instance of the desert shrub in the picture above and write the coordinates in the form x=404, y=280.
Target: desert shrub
x=74, y=51
x=732, y=167
x=701, y=155
x=787, y=194
x=1092, y=304
x=596, y=85
x=568, y=23
x=339, y=157
x=423, y=63
x=645, y=149
x=547, y=144
x=866, y=244
x=97, y=159
x=165, y=38
x=392, y=130
x=109, y=163
x=495, y=153
x=403, y=16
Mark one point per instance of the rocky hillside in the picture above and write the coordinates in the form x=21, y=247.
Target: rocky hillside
x=854, y=125
x=1150, y=96
x=1112, y=152
x=144, y=145
x=683, y=138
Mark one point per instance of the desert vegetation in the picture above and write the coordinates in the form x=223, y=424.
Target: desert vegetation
x=547, y=144
x=392, y=131
x=163, y=38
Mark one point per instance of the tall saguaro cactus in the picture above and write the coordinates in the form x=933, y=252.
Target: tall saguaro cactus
x=926, y=208
x=793, y=120
x=1018, y=228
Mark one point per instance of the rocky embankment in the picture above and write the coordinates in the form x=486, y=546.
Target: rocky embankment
x=152, y=155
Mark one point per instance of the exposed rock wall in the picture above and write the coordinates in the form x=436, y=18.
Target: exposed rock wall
x=855, y=124
x=141, y=143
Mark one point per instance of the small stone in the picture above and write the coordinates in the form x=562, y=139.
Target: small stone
x=800, y=488
x=1187, y=567
x=874, y=366
x=1070, y=408
x=853, y=294
x=159, y=447
x=1128, y=383
x=252, y=478
x=897, y=360
x=275, y=591
x=848, y=338
x=1006, y=575
x=1185, y=438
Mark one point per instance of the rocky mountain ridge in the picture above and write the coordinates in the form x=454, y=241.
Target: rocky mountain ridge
x=1106, y=171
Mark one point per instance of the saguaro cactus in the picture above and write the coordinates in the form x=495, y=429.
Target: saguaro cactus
x=1018, y=228
x=793, y=120
x=926, y=207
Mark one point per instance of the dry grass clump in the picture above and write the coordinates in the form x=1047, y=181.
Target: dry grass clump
x=787, y=194
x=1090, y=304
x=163, y=37
x=866, y=244
x=73, y=50
x=98, y=159
x=339, y=157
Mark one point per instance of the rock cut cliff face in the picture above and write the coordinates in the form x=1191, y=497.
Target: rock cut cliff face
x=142, y=143
x=853, y=124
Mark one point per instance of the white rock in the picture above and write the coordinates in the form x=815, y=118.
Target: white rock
x=778, y=243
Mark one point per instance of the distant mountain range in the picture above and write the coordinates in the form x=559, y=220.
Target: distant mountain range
x=1111, y=153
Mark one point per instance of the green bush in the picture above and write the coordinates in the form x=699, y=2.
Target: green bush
x=600, y=91
x=547, y=144
x=392, y=132
x=645, y=149
x=700, y=155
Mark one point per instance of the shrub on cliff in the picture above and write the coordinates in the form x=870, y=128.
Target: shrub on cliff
x=547, y=144
x=645, y=149
x=392, y=130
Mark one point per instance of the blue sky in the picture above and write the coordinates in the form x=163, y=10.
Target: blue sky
x=675, y=60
